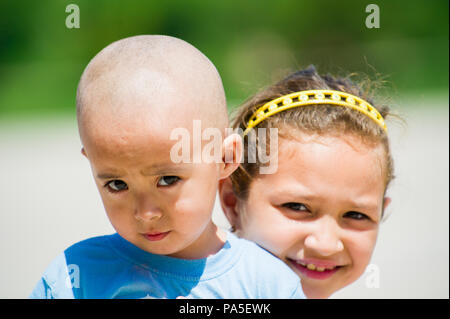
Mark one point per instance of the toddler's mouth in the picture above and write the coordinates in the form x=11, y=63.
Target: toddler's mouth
x=156, y=236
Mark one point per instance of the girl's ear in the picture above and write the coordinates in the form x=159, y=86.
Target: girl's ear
x=229, y=203
x=386, y=202
x=83, y=152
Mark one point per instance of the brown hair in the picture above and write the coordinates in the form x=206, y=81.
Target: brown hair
x=315, y=119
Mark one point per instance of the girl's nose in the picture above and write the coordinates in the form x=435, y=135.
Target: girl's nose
x=324, y=239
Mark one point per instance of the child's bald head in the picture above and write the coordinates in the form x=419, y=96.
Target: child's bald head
x=131, y=98
x=152, y=79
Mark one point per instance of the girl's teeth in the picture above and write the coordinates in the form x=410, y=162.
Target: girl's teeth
x=317, y=268
x=311, y=266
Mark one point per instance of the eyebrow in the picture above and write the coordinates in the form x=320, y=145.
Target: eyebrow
x=155, y=169
x=364, y=206
x=107, y=176
x=301, y=196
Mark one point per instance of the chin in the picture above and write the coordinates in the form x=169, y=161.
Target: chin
x=317, y=292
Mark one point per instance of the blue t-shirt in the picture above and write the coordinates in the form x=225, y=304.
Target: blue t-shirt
x=111, y=267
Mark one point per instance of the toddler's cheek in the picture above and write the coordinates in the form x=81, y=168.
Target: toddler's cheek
x=190, y=216
x=192, y=207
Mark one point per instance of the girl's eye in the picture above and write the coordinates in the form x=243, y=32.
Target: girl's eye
x=296, y=207
x=117, y=185
x=356, y=215
x=168, y=180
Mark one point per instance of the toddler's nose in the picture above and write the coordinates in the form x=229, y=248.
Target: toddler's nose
x=147, y=215
x=147, y=210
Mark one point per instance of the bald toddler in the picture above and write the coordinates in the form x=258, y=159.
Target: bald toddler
x=131, y=97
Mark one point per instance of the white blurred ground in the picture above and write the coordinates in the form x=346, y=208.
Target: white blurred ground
x=48, y=201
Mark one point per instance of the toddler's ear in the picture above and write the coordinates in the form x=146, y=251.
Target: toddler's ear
x=229, y=203
x=83, y=152
x=231, y=154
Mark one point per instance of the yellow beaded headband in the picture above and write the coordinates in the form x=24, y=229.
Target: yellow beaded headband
x=312, y=97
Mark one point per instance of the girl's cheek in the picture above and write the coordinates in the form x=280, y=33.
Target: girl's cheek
x=361, y=249
x=270, y=230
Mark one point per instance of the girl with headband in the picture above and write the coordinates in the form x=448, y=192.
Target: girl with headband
x=320, y=211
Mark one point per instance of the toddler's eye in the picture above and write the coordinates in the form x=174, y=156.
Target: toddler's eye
x=296, y=206
x=168, y=180
x=117, y=185
x=356, y=215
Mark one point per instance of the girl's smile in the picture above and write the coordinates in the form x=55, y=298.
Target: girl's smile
x=318, y=269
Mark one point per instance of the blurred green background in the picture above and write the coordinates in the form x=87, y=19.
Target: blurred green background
x=252, y=43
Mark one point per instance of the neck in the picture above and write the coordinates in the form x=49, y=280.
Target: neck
x=207, y=244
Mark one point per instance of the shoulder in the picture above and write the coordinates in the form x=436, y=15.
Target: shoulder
x=56, y=279
x=89, y=250
x=79, y=251
x=90, y=254
x=93, y=243
x=252, y=251
x=261, y=266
